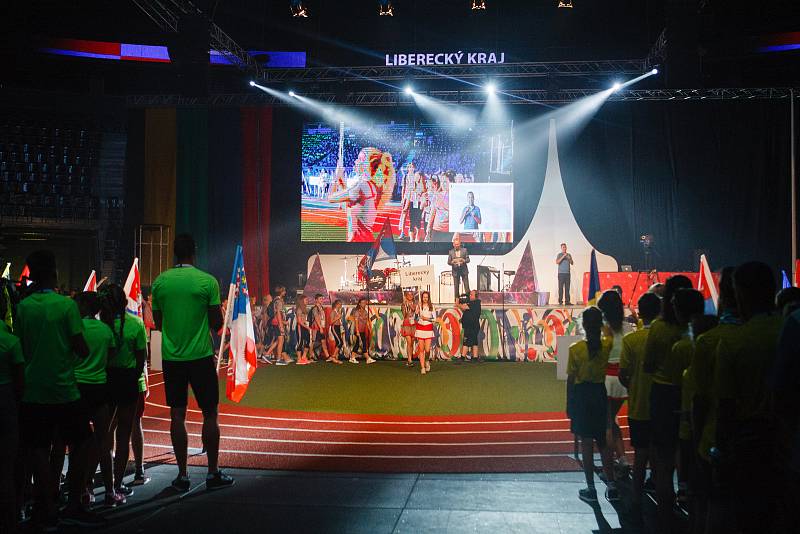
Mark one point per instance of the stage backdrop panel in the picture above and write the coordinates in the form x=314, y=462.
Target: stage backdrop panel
x=519, y=334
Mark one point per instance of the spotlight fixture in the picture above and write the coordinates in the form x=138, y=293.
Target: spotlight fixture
x=252, y=83
x=385, y=8
x=478, y=4
x=408, y=90
x=616, y=87
x=490, y=88
x=565, y=4
x=298, y=9
x=292, y=93
x=654, y=72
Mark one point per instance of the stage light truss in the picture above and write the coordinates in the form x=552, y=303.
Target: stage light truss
x=167, y=14
x=622, y=68
x=477, y=97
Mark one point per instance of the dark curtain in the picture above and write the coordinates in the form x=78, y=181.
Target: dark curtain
x=191, y=213
x=710, y=176
x=134, y=189
x=256, y=191
x=224, y=191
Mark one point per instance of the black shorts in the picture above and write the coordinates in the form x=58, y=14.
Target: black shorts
x=471, y=334
x=640, y=432
x=361, y=342
x=93, y=396
x=415, y=217
x=123, y=385
x=200, y=374
x=41, y=422
x=275, y=332
x=589, y=411
x=303, y=339
x=665, y=415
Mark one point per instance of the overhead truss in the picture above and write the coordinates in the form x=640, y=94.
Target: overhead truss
x=167, y=15
x=529, y=97
x=621, y=67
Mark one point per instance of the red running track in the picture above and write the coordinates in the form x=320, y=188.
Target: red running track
x=293, y=440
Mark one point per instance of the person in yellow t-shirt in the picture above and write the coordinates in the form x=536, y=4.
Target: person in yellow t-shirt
x=638, y=382
x=665, y=399
x=701, y=382
x=587, y=401
x=745, y=414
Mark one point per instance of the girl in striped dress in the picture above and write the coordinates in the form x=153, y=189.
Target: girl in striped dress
x=426, y=314
x=336, y=331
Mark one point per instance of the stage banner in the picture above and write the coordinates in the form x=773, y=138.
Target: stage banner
x=515, y=334
x=417, y=276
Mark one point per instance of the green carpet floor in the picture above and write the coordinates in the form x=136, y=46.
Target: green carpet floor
x=392, y=388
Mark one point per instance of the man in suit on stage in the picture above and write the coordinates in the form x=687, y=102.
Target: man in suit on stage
x=458, y=258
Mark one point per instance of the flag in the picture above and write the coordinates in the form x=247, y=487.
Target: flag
x=242, y=362
x=797, y=273
x=707, y=287
x=7, y=272
x=91, y=283
x=26, y=273
x=133, y=290
x=786, y=282
x=382, y=249
x=594, y=279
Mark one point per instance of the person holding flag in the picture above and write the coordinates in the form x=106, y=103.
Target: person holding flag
x=186, y=307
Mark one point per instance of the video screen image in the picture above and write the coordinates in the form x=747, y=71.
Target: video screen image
x=416, y=175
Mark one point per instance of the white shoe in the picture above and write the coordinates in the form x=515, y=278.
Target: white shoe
x=352, y=360
x=370, y=360
x=428, y=366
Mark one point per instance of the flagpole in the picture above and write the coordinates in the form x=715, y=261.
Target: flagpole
x=225, y=323
x=793, y=185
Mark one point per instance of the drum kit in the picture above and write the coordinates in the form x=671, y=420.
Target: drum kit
x=387, y=279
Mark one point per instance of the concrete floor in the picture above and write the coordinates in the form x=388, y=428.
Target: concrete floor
x=280, y=501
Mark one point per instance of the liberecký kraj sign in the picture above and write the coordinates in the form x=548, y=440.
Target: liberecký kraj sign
x=445, y=58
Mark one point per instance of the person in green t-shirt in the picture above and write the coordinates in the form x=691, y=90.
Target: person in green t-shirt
x=746, y=431
x=92, y=383
x=638, y=382
x=124, y=369
x=12, y=383
x=186, y=307
x=51, y=331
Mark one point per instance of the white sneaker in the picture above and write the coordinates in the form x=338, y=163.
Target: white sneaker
x=370, y=360
x=352, y=360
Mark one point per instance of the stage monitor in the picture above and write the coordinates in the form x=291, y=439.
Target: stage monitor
x=418, y=176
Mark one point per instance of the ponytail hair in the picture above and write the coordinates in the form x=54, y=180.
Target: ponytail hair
x=592, y=319
x=113, y=303
x=610, y=303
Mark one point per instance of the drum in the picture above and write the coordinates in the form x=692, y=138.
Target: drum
x=377, y=281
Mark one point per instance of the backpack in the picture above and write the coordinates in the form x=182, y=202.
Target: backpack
x=271, y=311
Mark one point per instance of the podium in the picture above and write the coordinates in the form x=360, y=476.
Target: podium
x=485, y=274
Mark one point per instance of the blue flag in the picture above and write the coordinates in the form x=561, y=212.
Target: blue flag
x=594, y=278
x=382, y=249
x=786, y=282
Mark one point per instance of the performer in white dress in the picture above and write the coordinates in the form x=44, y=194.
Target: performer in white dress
x=426, y=315
x=367, y=197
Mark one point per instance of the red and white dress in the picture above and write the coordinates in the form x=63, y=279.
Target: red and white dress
x=425, y=317
x=614, y=388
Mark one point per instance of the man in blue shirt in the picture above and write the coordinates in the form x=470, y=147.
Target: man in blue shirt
x=471, y=214
x=564, y=260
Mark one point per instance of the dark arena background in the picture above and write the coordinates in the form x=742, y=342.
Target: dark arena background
x=652, y=137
